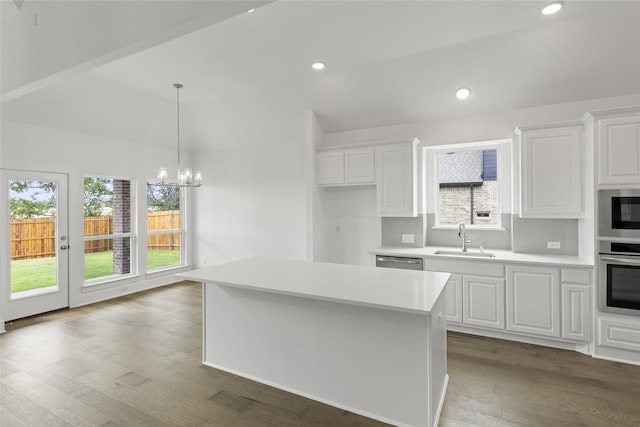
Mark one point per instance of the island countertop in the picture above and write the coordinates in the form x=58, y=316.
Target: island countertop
x=384, y=288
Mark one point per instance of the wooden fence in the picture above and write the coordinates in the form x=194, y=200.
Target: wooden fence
x=35, y=238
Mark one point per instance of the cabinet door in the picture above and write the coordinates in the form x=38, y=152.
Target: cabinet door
x=359, y=166
x=330, y=168
x=483, y=301
x=454, y=299
x=397, y=180
x=619, y=150
x=576, y=312
x=551, y=173
x=619, y=333
x=533, y=300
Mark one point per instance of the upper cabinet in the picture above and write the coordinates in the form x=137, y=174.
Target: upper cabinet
x=330, y=168
x=551, y=170
x=391, y=165
x=397, y=181
x=346, y=167
x=617, y=135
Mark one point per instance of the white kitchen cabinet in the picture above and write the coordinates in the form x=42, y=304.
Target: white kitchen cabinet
x=359, y=166
x=397, y=179
x=619, y=332
x=533, y=300
x=576, y=304
x=483, y=301
x=330, y=167
x=346, y=167
x=551, y=171
x=454, y=299
x=576, y=312
x=617, y=135
x=475, y=291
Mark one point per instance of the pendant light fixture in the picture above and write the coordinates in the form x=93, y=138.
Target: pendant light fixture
x=185, y=176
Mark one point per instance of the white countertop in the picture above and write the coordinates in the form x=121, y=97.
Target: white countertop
x=501, y=255
x=385, y=288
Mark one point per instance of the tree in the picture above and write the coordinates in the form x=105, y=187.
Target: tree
x=162, y=198
x=97, y=196
x=25, y=209
x=39, y=200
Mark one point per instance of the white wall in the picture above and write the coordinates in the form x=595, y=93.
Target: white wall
x=33, y=148
x=254, y=198
x=432, y=132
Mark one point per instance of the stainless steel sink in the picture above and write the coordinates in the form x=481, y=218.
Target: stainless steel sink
x=467, y=253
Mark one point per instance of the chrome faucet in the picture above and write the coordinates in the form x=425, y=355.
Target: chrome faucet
x=462, y=232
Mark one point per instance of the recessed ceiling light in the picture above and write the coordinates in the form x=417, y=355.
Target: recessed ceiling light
x=463, y=93
x=251, y=10
x=552, y=8
x=318, y=65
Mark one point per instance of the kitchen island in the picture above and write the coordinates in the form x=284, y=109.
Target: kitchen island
x=368, y=340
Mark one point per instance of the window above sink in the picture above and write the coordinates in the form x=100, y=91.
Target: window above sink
x=468, y=183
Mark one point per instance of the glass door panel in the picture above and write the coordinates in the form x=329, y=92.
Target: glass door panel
x=35, y=209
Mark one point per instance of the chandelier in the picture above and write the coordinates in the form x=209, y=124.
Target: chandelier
x=185, y=176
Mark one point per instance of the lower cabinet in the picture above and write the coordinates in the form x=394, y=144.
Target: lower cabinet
x=533, y=300
x=576, y=312
x=454, y=299
x=475, y=301
x=619, y=333
x=483, y=301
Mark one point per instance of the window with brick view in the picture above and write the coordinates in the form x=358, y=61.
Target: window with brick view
x=108, y=233
x=468, y=188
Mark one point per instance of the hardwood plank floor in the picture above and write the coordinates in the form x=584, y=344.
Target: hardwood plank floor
x=136, y=361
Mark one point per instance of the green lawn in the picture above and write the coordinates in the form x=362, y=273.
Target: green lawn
x=41, y=272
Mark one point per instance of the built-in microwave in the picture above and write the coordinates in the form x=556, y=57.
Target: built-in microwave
x=619, y=213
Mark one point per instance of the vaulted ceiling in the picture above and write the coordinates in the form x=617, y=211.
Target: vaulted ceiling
x=387, y=62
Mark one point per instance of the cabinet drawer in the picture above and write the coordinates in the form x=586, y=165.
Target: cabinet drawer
x=464, y=267
x=619, y=334
x=576, y=276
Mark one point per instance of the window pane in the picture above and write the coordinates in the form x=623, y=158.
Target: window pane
x=163, y=214
x=107, y=211
x=32, y=232
x=468, y=188
x=107, y=257
x=162, y=199
x=163, y=250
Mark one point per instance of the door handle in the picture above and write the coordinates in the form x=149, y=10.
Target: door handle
x=64, y=247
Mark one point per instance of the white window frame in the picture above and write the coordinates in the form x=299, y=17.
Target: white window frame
x=132, y=235
x=182, y=232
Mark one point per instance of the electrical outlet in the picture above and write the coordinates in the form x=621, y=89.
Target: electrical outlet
x=408, y=238
x=553, y=245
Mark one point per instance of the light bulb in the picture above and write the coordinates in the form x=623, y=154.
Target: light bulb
x=162, y=175
x=552, y=8
x=463, y=93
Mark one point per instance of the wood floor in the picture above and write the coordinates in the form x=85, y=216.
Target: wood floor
x=136, y=361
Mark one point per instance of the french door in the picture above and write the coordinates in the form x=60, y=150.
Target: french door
x=34, y=266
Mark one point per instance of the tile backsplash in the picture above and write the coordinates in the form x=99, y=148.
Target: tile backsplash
x=531, y=235
x=522, y=235
x=394, y=228
x=490, y=239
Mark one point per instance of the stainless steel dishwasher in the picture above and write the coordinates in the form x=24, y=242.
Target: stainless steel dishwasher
x=399, y=262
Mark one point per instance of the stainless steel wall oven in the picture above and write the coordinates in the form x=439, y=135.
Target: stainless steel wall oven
x=619, y=277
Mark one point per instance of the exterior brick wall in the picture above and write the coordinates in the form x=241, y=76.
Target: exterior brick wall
x=455, y=204
x=121, y=224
